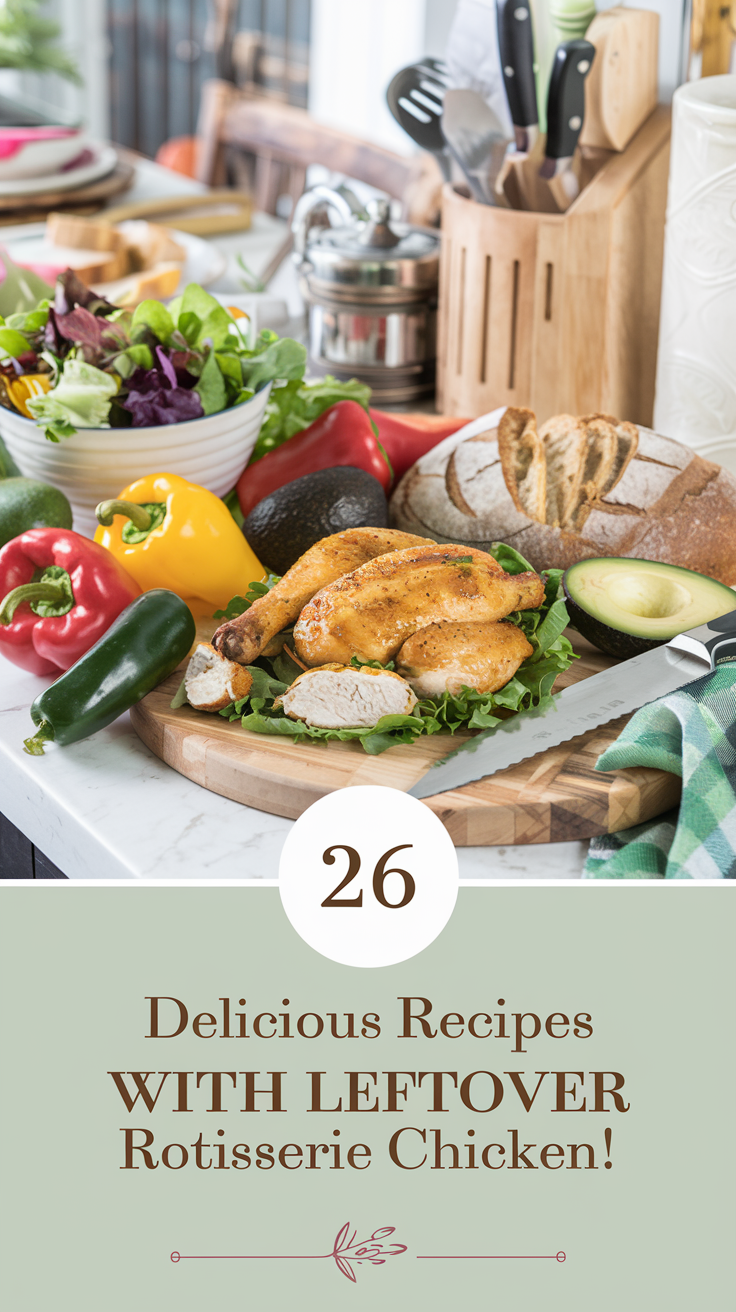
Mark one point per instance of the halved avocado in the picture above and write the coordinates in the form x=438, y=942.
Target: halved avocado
x=625, y=607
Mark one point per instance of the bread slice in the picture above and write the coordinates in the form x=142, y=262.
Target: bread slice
x=598, y=465
x=90, y=265
x=150, y=244
x=523, y=461
x=565, y=450
x=83, y=234
x=157, y=284
x=627, y=441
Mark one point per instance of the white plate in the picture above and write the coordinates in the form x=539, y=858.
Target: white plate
x=203, y=264
x=106, y=157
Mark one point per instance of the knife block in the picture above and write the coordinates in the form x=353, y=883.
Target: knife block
x=558, y=312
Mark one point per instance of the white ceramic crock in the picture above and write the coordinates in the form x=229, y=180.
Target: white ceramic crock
x=97, y=463
x=696, y=367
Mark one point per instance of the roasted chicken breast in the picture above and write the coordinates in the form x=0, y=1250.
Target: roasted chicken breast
x=212, y=682
x=446, y=657
x=343, y=697
x=244, y=638
x=371, y=612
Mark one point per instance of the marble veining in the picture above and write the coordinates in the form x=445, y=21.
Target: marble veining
x=108, y=808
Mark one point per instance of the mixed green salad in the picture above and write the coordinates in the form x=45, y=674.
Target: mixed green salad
x=77, y=361
x=531, y=686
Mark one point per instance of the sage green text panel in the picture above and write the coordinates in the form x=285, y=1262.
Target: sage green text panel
x=486, y=1150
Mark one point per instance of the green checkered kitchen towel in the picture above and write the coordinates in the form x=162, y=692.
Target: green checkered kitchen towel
x=692, y=732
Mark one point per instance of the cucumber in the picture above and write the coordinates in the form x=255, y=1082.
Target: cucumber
x=26, y=503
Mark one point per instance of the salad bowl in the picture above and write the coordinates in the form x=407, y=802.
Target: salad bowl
x=95, y=463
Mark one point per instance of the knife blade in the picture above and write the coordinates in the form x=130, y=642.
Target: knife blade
x=566, y=109
x=516, y=48
x=586, y=705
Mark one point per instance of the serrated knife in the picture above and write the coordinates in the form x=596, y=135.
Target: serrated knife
x=586, y=705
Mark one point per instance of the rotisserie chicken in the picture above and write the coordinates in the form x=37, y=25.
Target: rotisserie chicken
x=244, y=638
x=343, y=697
x=447, y=657
x=372, y=611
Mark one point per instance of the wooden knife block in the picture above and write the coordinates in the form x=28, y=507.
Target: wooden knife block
x=559, y=312
x=622, y=86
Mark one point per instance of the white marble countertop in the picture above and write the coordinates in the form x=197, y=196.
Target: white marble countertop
x=108, y=808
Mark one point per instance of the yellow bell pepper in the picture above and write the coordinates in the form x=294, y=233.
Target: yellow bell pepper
x=168, y=533
x=22, y=389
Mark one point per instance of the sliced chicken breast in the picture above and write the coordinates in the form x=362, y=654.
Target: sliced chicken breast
x=446, y=657
x=244, y=638
x=345, y=697
x=372, y=611
x=212, y=682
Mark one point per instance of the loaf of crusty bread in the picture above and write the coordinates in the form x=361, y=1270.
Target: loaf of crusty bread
x=573, y=489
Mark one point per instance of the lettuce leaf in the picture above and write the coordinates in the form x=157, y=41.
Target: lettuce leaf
x=211, y=386
x=81, y=399
x=154, y=315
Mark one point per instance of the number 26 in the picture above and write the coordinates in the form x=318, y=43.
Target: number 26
x=380, y=875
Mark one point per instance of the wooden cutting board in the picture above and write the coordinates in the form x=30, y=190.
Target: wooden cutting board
x=552, y=797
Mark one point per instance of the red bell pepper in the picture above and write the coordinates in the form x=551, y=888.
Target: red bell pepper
x=61, y=592
x=405, y=439
x=342, y=435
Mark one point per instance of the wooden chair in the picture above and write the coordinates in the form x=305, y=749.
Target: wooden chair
x=282, y=142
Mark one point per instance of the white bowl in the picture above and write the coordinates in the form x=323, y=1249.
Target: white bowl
x=97, y=463
x=37, y=151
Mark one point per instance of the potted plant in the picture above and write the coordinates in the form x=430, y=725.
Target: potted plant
x=28, y=41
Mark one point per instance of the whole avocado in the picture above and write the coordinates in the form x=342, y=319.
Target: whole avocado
x=25, y=503
x=290, y=520
x=8, y=467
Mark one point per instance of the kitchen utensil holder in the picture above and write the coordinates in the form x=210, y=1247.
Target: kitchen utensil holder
x=558, y=312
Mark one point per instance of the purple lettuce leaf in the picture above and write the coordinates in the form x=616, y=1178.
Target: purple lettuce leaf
x=71, y=291
x=166, y=366
x=154, y=399
x=81, y=328
x=181, y=361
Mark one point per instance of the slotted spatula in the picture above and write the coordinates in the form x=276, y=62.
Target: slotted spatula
x=415, y=95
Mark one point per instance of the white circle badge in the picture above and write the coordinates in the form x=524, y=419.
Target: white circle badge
x=368, y=876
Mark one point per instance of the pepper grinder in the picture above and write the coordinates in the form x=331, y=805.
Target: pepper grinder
x=571, y=18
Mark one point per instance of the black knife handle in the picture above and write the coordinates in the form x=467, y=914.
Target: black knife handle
x=566, y=97
x=716, y=640
x=516, y=48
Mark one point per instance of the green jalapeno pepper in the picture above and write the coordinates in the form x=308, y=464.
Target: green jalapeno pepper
x=140, y=649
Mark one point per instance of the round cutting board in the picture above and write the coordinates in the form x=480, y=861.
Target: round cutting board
x=555, y=796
